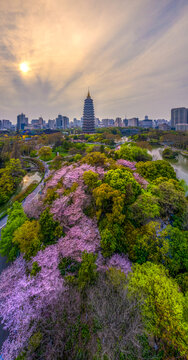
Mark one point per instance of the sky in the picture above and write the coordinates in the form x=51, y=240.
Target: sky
x=132, y=54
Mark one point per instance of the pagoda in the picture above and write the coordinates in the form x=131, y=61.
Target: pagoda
x=88, y=116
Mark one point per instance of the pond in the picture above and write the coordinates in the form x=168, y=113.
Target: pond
x=180, y=165
x=29, y=178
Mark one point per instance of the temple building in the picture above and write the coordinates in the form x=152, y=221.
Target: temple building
x=88, y=116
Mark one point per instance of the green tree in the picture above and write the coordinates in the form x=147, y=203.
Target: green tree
x=172, y=201
x=50, y=229
x=145, y=208
x=123, y=180
x=16, y=217
x=152, y=170
x=95, y=159
x=10, y=177
x=162, y=306
x=87, y=273
x=145, y=244
x=133, y=153
x=45, y=153
x=177, y=257
x=91, y=179
x=27, y=237
x=109, y=203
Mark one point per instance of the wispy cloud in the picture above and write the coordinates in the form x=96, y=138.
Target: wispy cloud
x=133, y=54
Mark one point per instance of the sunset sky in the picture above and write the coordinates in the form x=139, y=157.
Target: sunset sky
x=132, y=54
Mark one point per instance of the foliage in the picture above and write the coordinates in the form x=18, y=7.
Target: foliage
x=33, y=153
x=168, y=153
x=152, y=170
x=68, y=265
x=39, y=164
x=77, y=157
x=10, y=177
x=108, y=242
x=24, y=193
x=95, y=159
x=50, y=229
x=34, y=341
x=51, y=195
x=144, y=244
x=27, y=238
x=145, y=208
x=56, y=163
x=133, y=153
x=91, y=179
x=123, y=180
x=16, y=218
x=162, y=306
x=109, y=203
x=177, y=259
x=35, y=268
x=172, y=202
x=87, y=273
x=45, y=153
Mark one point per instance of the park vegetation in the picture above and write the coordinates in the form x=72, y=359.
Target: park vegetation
x=99, y=262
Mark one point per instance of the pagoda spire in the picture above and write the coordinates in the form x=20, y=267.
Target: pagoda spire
x=88, y=95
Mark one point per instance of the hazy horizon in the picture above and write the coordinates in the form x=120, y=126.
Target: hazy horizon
x=132, y=54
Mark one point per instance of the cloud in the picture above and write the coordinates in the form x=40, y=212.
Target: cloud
x=132, y=54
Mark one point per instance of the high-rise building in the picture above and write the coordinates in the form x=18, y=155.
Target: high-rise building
x=51, y=124
x=62, y=122
x=179, y=116
x=181, y=127
x=118, y=122
x=22, y=121
x=6, y=124
x=88, y=115
x=125, y=122
x=133, y=122
x=65, y=122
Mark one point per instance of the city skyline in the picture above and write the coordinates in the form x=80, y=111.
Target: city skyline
x=133, y=55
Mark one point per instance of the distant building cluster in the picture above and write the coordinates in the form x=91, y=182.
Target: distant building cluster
x=88, y=123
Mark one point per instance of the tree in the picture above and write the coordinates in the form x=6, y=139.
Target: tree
x=177, y=257
x=87, y=273
x=133, y=153
x=16, y=217
x=109, y=203
x=123, y=180
x=10, y=177
x=27, y=237
x=145, y=244
x=45, y=153
x=145, y=208
x=172, y=201
x=95, y=159
x=91, y=179
x=152, y=170
x=50, y=229
x=162, y=306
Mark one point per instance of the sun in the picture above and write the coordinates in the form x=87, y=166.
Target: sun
x=24, y=67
